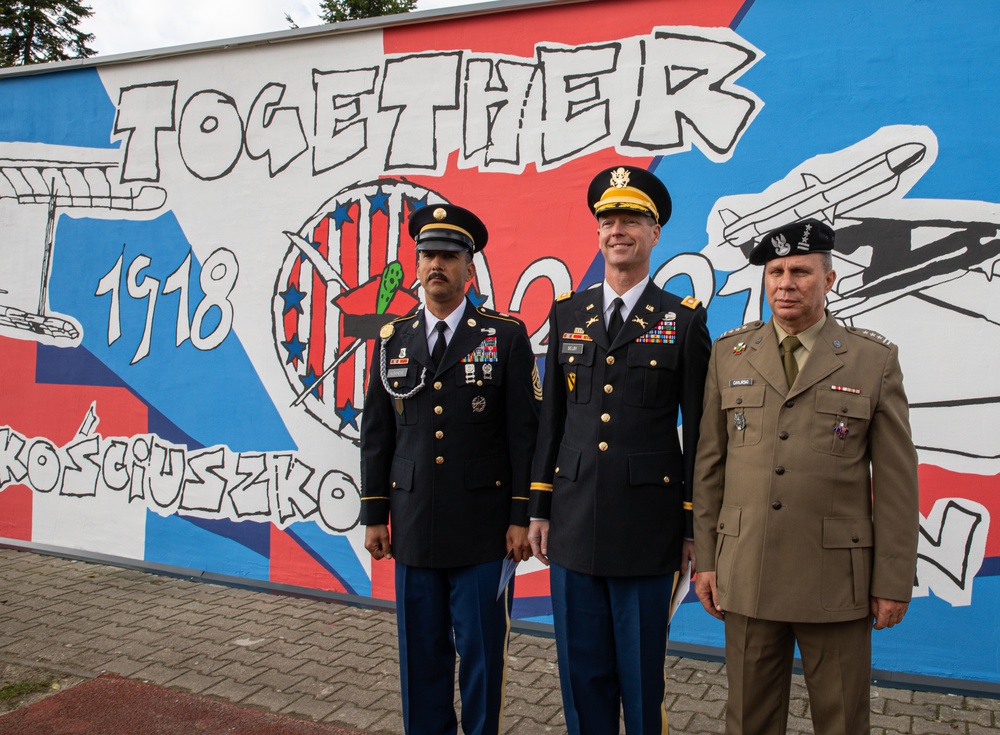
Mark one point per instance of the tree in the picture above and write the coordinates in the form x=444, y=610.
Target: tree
x=334, y=11
x=33, y=31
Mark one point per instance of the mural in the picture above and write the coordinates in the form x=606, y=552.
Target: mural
x=198, y=251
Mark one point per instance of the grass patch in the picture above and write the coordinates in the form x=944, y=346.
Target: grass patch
x=20, y=689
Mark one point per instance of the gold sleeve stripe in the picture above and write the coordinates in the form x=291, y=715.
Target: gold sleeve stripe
x=688, y=505
x=518, y=497
x=376, y=497
x=545, y=486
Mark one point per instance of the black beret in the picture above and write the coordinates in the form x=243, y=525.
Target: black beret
x=797, y=238
x=629, y=188
x=447, y=227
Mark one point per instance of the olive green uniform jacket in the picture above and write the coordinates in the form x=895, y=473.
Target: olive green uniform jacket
x=785, y=478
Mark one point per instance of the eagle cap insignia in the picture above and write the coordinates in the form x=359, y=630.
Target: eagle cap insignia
x=440, y=213
x=781, y=246
x=619, y=177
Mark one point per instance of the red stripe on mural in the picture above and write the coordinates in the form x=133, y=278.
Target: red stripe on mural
x=378, y=243
x=317, y=306
x=937, y=483
x=54, y=412
x=518, y=31
x=291, y=564
x=349, y=246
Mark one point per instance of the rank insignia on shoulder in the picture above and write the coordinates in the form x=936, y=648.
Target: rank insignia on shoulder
x=564, y=296
x=386, y=331
x=690, y=302
x=874, y=336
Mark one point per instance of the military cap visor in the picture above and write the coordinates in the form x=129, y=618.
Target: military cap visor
x=629, y=189
x=797, y=238
x=447, y=227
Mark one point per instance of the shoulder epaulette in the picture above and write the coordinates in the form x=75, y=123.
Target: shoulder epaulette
x=564, y=296
x=497, y=315
x=869, y=334
x=690, y=302
x=743, y=328
x=388, y=329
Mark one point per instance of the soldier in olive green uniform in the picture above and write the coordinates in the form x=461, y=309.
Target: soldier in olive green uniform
x=805, y=496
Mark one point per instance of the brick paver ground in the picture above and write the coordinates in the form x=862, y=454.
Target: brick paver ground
x=71, y=620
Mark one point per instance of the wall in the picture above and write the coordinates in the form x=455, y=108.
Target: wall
x=193, y=248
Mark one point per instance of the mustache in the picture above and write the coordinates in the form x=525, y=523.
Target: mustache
x=437, y=276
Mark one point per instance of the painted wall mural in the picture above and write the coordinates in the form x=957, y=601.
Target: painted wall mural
x=198, y=251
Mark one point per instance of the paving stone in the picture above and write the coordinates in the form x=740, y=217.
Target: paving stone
x=353, y=716
x=271, y=700
x=232, y=691
x=193, y=682
x=338, y=664
x=310, y=707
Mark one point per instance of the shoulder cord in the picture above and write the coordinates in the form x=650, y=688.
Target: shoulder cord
x=385, y=378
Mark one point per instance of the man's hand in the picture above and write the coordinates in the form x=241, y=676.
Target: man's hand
x=704, y=587
x=518, y=546
x=538, y=537
x=377, y=542
x=887, y=613
x=687, y=557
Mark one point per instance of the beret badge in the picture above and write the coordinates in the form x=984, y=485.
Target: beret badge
x=781, y=246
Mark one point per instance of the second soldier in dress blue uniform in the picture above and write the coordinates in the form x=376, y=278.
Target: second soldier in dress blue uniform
x=611, y=490
x=446, y=443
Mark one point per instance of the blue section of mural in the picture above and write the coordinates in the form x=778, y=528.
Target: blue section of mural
x=205, y=384
x=932, y=639
x=77, y=366
x=218, y=546
x=934, y=69
x=33, y=98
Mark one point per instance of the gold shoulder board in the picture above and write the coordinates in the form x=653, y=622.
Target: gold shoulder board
x=690, y=302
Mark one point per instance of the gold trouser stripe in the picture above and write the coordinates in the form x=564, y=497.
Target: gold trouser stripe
x=506, y=645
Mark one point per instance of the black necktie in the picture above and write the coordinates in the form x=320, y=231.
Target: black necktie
x=616, y=322
x=437, y=354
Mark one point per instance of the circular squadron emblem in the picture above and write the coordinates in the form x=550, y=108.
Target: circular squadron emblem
x=348, y=272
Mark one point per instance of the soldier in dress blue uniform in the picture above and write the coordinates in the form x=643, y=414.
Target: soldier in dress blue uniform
x=446, y=442
x=611, y=485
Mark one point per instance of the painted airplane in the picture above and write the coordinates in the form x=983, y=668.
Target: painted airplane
x=58, y=185
x=825, y=200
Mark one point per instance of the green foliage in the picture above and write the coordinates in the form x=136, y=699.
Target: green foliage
x=24, y=688
x=334, y=11
x=33, y=31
